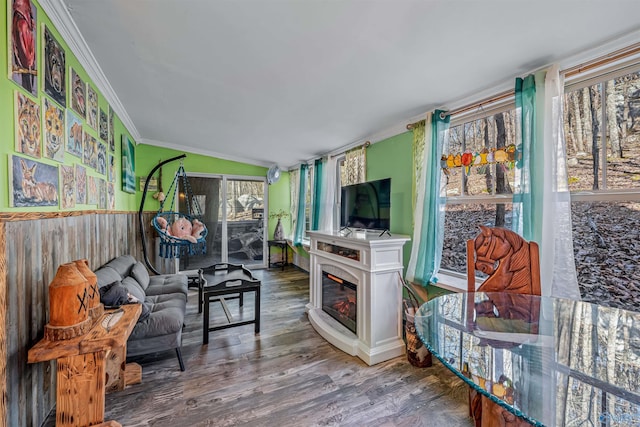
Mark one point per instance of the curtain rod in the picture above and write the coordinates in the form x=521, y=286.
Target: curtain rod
x=357, y=147
x=568, y=72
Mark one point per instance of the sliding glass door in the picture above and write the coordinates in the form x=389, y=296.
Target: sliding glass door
x=233, y=210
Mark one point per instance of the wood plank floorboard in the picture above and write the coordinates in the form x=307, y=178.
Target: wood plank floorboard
x=287, y=375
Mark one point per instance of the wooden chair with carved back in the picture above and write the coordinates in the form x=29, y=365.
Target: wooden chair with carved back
x=512, y=265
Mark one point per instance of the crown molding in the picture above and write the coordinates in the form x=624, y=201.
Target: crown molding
x=209, y=153
x=59, y=15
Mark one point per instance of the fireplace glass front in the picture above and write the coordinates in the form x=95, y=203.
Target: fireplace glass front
x=339, y=300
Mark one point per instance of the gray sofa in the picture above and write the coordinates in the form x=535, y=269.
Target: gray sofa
x=164, y=295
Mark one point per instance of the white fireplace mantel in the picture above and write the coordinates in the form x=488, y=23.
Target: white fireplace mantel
x=372, y=262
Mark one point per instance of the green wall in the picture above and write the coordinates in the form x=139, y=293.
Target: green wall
x=392, y=158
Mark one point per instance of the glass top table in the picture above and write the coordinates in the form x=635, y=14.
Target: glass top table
x=551, y=361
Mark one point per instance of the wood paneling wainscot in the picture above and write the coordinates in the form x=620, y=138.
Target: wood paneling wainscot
x=32, y=246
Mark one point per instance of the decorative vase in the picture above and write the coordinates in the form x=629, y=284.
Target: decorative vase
x=96, y=308
x=278, y=233
x=68, y=304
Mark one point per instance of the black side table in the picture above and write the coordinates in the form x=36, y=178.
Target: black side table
x=284, y=248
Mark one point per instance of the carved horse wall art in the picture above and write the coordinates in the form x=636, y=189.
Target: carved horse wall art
x=512, y=263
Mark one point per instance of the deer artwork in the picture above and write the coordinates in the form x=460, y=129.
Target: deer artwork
x=36, y=191
x=507, y=259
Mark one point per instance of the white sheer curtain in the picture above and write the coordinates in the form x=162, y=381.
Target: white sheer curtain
x=556, y=246
x=328, y=202
x=294, y=191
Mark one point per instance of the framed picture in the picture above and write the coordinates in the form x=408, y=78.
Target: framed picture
x=53, y=130
x=74, y=134
x=78, y=94
x=68, y=196
x=112, y=136
x=90, y=151
x=128, y=165
x=92, y=190
x=111, y=168
x=104, y=126
x=54, y=68
x=27, y=125
x=101, y=166
x=32, y=183
x=111, y=196
x=81, y=184
x=102, y=193
x=92, y=107
x=153, y=183
x=22, y=50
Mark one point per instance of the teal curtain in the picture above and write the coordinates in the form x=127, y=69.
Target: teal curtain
x=432, y=231
x=302, y=205
x=523, y=201
x=317, y=194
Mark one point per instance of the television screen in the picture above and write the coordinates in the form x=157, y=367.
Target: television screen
x=367, y=205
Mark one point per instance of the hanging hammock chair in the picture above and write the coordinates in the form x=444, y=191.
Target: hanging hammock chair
x=180, y=233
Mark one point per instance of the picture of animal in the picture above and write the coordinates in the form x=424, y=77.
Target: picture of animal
x=92, y=107
x=101, y=166
x=54, y=69
x=27, y=125
x=81, y=184
x=112, y=139
x=74, y=134
x=92, y=190
x=53, y=130
x=33, y=183
x=111, y=196
x=78, y=94
x=102, y=193
x=23, y=49
x=90, y=154
x=111, y=168
x=104, y=126
x=68, y=175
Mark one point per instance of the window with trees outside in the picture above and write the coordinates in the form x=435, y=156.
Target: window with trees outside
x=480, y=193
x=602, y=133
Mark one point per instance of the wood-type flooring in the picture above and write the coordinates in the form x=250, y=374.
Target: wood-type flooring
x=288, y=375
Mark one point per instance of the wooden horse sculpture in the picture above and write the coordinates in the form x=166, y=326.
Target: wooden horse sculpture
x=513, y=266
x=512, y=263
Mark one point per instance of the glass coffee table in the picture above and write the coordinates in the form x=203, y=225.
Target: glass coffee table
x=222, y=282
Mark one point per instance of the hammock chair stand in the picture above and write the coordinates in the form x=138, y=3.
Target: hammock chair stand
x=171, y=246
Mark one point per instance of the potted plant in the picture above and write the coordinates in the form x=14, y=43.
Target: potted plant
x=278, y=233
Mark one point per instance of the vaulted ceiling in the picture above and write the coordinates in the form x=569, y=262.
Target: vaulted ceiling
x=283, y=81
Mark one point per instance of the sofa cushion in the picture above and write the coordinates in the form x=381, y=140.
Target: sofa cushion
x=106, y=276
x=167, y=284
x=140, y=273
x=165, y=318
x=122, y=264
x=134, y=288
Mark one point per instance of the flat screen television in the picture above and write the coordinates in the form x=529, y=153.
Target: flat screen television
x=366, y=205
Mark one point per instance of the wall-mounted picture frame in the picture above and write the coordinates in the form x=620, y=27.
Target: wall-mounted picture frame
x=101, y=166
x=53, y=130
x=27, y=125
x=111, y=168
x=104, y=126
x=81, y=184
x=75, y=135
x=90, y=151
x=68, y=193
x=92, y=190
x=111, y=196
x=22, y=25
x=32, y=183
x=78, y=94
x=102, y=193
x=55, y=68
x=153, y=183
x=112, y=136
x=128, y=165
x=92, y=107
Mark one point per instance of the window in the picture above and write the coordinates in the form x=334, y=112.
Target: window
x=604, y=179
x=478, y=179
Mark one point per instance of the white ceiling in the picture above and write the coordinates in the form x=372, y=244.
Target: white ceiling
x=284, y=81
